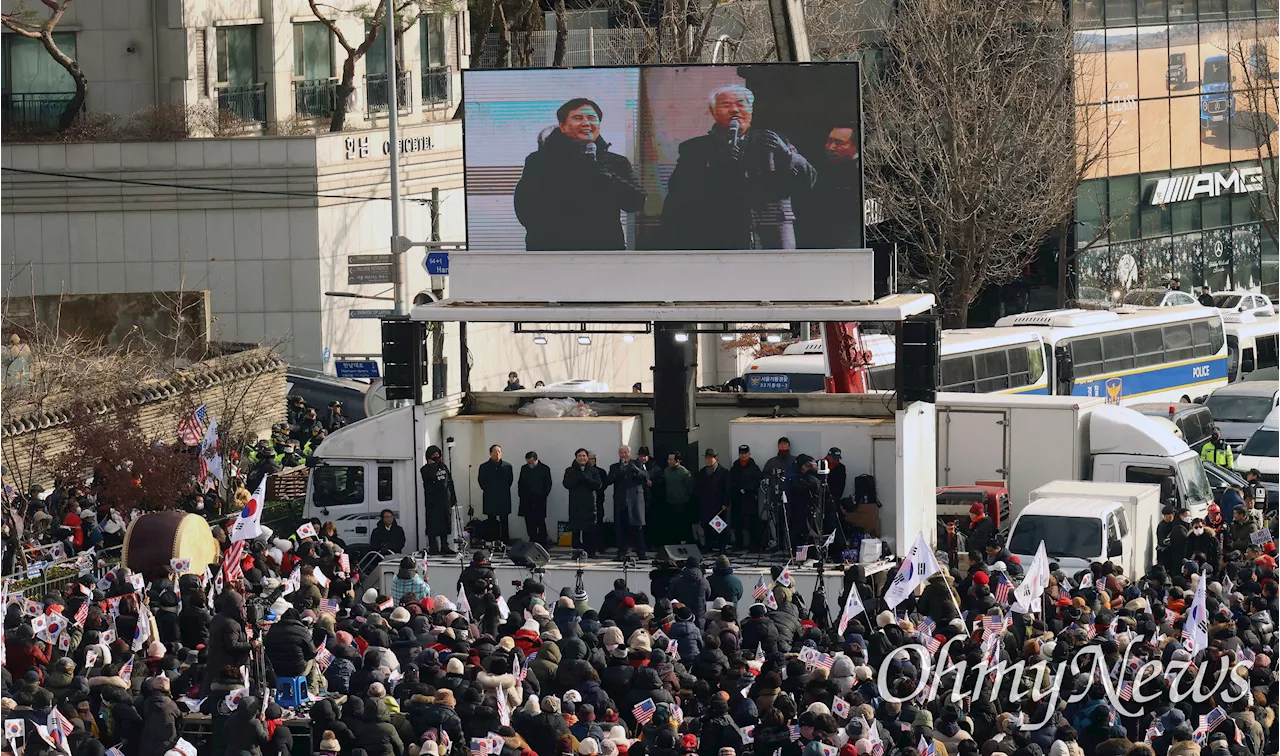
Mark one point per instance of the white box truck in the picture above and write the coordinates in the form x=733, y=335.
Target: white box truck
x=1029, y=441
x=1082, y=522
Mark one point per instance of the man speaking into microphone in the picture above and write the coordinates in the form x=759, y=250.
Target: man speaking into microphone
x=573, y=189
x=732, y=187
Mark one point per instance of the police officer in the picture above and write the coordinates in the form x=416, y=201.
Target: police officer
x=1217, y=451
x=334, y=419
x=1254, y=478
x=297, y=408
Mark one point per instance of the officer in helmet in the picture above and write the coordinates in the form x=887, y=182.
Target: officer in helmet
x=334, y=419
x=297, y=408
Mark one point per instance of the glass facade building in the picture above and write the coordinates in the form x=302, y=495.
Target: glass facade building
x=1184, y=95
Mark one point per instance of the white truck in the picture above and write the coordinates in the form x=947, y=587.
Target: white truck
x=1082, y=522
x=1029, y=441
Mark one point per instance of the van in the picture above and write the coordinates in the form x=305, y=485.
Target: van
x=1262, y=453
x=1081, y=522
x=1252, y=343
x=1193, y=421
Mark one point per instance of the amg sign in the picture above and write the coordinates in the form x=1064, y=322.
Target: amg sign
x=1212, y=184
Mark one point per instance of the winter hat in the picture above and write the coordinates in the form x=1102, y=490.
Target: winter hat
x=617, y=734
x=156, y=650
x=400, y=615
x=550, y=705
x=608, y=748
x=981, y=578
x=454, y=666
x=976, y=508
x=429, y=748
x=370, y=596
x=588, y=747
x=329, y=741
x=885, y=619
x=611, y=637
x=444, y=697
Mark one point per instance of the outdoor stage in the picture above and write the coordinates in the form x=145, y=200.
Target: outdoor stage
x=598, y=575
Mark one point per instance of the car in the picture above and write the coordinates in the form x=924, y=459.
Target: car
x=1240, y=408
x=317, y=389
x=1262, y=453
x=1220, y=479
x=1158, y=298
x=1217, y=103
x=1194, y=422
x=1271, y=374
x=1244, y=301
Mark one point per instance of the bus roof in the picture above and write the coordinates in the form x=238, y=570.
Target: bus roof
x=1059, y=324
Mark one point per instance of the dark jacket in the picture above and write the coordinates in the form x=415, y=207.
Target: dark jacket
x=759, y=633
x=244, y=732
x=582, y=482
x=424, y=715
x=495, y=479
x=688, y=638
x=744, y=487
x=193, y=622
x=628, y=483
x=534, y=488
x=725, y=585
x=289, y=647
x=979, y=533
x=374, y=732
x=722, y=198
x=160, y=717
x=711, y=491
x=601, y=186
x=440, y=496
x=692, y=590
x=387, y=539
x=228, y=643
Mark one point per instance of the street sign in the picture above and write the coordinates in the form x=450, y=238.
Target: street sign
x=369, y=314
x=384, y=259
x=436, y=263
x=357, y=369
x=369, y=274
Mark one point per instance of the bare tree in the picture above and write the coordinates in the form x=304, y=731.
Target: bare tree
x=1257, y=112
x=973, y=148
x=26, y=22
x=373, y=19
x=562, y=35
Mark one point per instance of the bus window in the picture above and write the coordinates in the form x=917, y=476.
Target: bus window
x=1177, y=342
x=1216, y=335
x=1233, y=357
x=1086, y=356
x=1019, y=370
x=1148, y=347
x=1117, y=351
x=1267, y=356
x=1035, y=365
x=992, y=371
x=1202, y=340
x=957, y=374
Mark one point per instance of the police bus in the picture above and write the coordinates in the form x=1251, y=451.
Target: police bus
x=978, y=360
x=1251, y=343
x=1129, y=355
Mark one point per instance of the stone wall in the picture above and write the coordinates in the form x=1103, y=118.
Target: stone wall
x=245, y=390
x=117, y=320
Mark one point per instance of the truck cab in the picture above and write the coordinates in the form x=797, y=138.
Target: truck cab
x=1082, y=522
x=953, y=504
x=364, y=468
x=1217, y=104
x=1126, y=447
x=1175, y=76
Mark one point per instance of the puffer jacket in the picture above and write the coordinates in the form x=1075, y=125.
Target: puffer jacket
x=374, y=732
x=425, y=714
x=244, y=732
x=160, y=716
x=688, y=638
x=288, y=647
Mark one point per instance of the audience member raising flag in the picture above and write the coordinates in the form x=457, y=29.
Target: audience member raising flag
x=643, y=711
x=192, y=426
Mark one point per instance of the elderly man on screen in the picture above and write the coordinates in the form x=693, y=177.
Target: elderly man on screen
x=573, y=189
x=732, y=187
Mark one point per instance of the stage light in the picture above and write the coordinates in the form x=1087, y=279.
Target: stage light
x=681, y=337
x=540, y=340
x=628, y=338
x=584, y=340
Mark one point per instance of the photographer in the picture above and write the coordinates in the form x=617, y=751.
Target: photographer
x=480, y=584
x=804, y=502
x=628, y=481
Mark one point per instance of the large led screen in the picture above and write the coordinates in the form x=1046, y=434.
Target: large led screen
x=664, y=157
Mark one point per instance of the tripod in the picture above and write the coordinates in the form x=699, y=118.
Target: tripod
x=773, y=494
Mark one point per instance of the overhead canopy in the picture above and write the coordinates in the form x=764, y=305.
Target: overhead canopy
x=893, y=308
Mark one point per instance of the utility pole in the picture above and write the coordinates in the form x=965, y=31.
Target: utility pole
x=393, y=129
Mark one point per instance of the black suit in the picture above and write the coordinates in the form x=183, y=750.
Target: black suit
x=534, y=488
x=495, y=479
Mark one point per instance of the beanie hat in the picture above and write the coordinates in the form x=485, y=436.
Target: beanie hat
x=444, y=697
x=588, y=747
x=885, y=619
x=454, y=667
x=400, y=615
x=370, y=596
x=329, y=741
x=981, y=578
x=976, y=508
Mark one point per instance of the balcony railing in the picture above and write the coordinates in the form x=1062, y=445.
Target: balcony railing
x=437, y=85
x=377, y=96
x=249, y=101
x=316, y=98
x=33, y=111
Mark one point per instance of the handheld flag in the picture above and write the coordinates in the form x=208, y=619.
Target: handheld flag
x=852, y=606
x=249, y=522
x=919, y=565
x=306, y=530
x=126, y=671
x=643, y=711
x=192, y=427
x=1195, y=626
x=760, y=590
x=1036, y=581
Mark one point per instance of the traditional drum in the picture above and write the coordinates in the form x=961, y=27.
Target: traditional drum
x=154, y=540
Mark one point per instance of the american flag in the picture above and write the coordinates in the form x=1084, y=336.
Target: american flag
x=925, y=748
x=994, y=624
x=1100, y=585
x=643, y=711
x=794, y=732
x=677, y=716
x=927, y=627
x=932, y=644
x=113, y=751
x=824, y=661
x=1126, y=692
x=761, y=589
x=480, y=746
x=59, y=724
x=323, y=658
x=126, y=671
x=192, y=426
x=1090, y=631
x=1003, y=586
x=82, y=613
x=231, y=561
x=1209, y=722
x=329, y=605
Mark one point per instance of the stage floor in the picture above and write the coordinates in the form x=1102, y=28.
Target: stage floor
x=599, y=574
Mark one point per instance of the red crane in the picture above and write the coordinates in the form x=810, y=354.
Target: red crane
x=847, y=359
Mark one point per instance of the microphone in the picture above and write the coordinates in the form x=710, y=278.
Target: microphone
x=591, y=150
x=734, y=127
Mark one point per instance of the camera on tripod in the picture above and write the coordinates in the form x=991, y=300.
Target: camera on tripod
x=578, y=555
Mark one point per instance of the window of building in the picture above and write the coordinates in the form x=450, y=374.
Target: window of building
x=237, y=56
x=1156, y=219
x=1151, y=11
x=434, y=44
x=375, y=63
x=1123, y=198
x=1120, y=13
x=1182, y=10
x=1091, y=200
x=29, y=69
x=1087, y=14
x=1186, y=216
x=1213, y=9
x=1240, y=8
x=312, y=52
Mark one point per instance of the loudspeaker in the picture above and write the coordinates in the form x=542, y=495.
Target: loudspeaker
x=528, y=554
x=919, y=359
x=404, y=357
x=679, y=552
